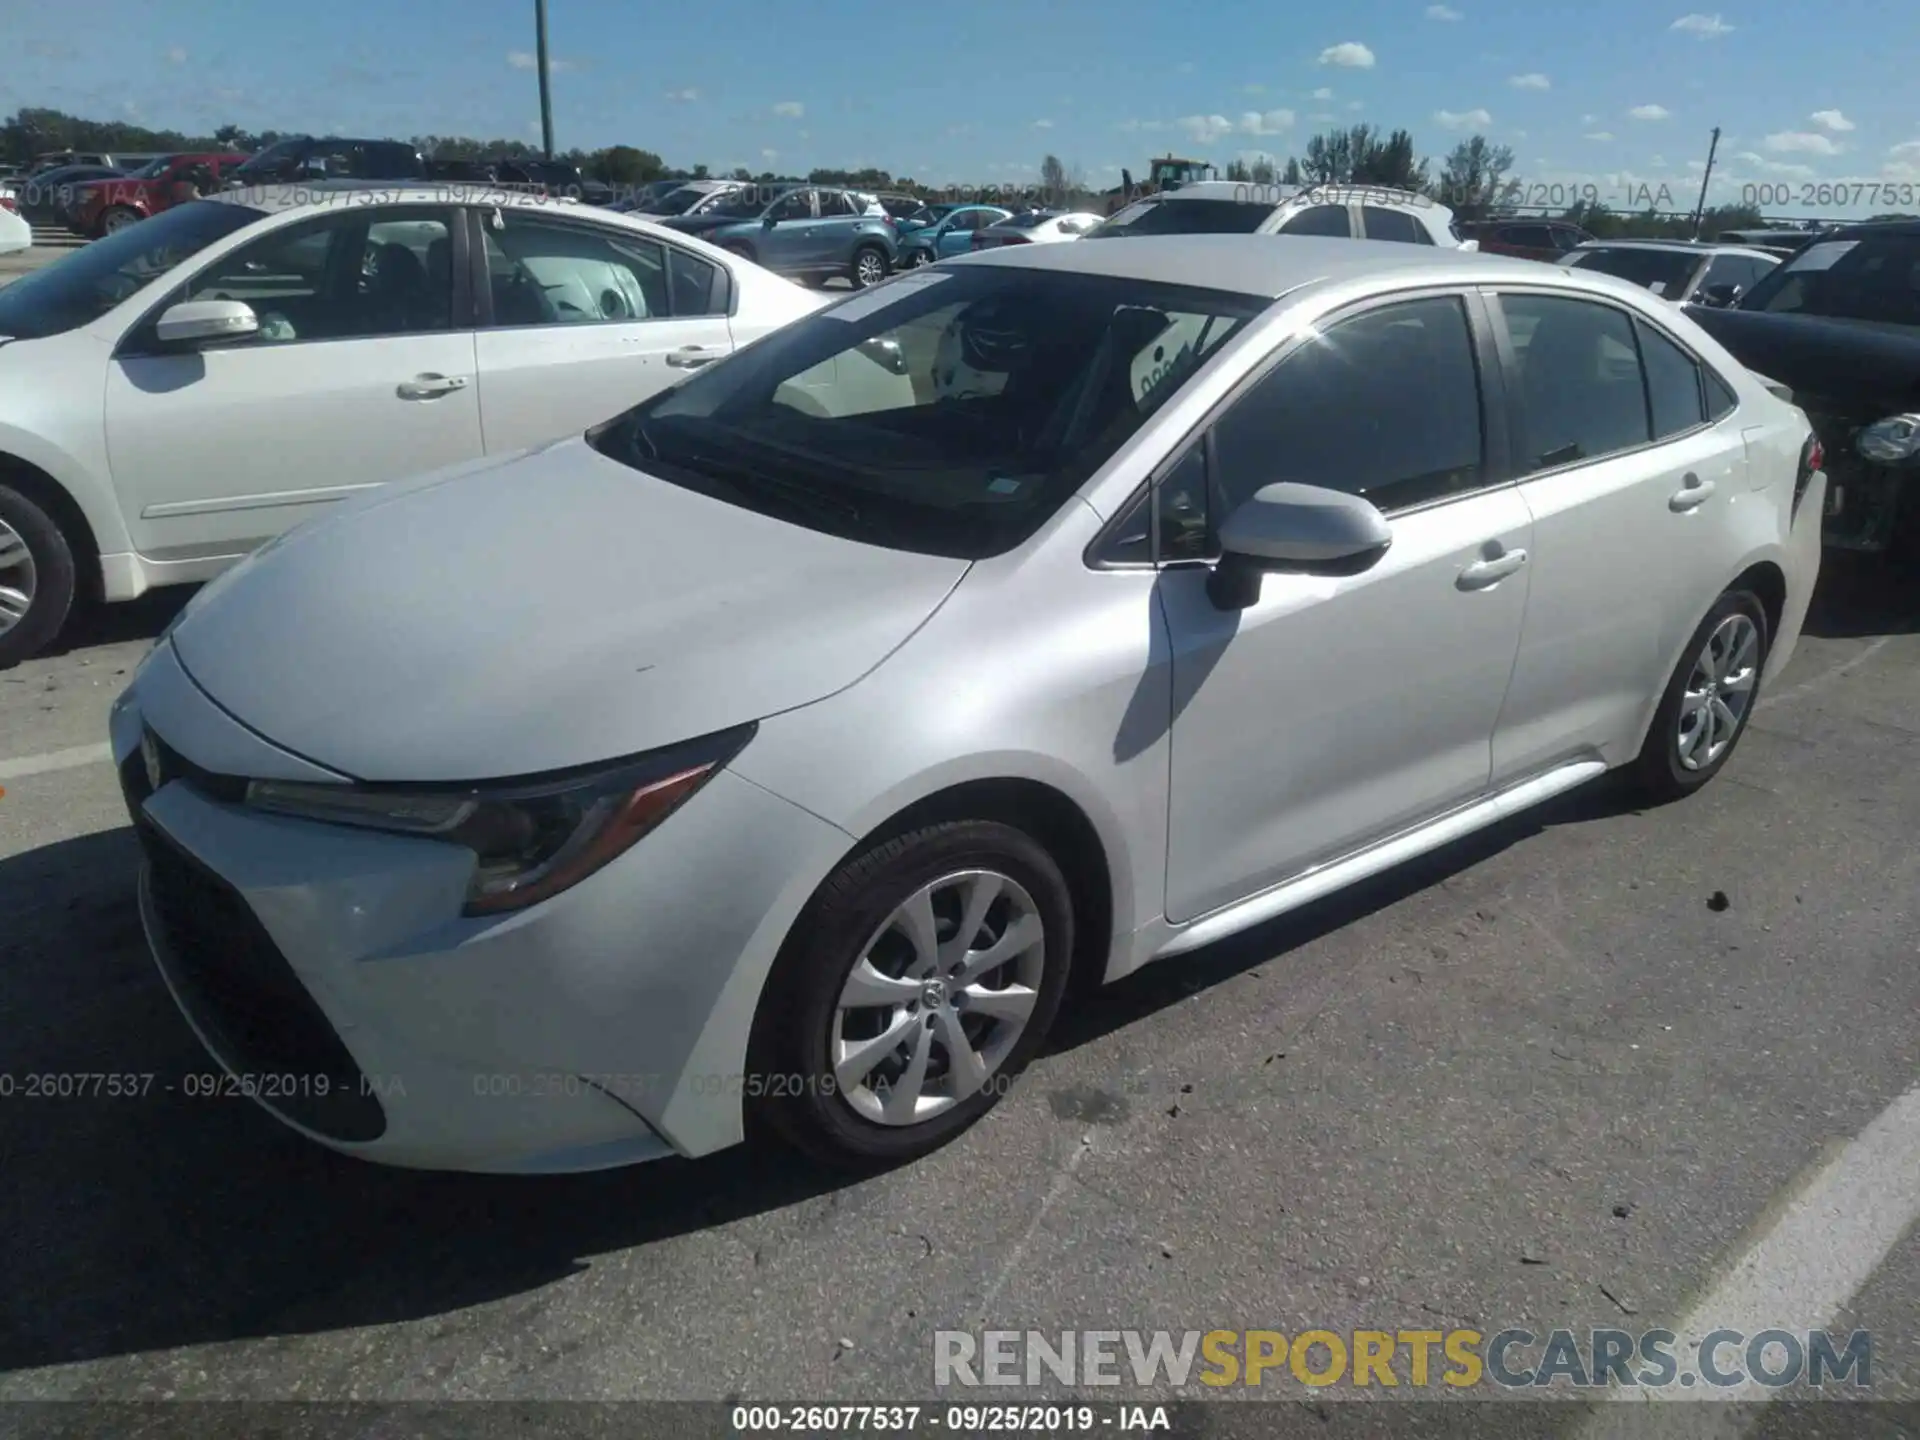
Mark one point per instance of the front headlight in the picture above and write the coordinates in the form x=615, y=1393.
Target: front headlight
x=531, y=839
x=1890, y=441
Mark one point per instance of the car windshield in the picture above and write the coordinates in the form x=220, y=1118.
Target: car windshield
x=1665, y=272
x=153, y=169
x=1185, y=217
x=86, y=283
x=273, y=157
x=949, y=412
x=676, y=202
x=1871, y=277
x=740, y=205
x=1032, y=220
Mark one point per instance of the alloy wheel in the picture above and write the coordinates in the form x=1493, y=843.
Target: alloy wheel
x=120, y=220
x=938, y=998
x=870, y=268
x=1719, y=692
x=19, y=580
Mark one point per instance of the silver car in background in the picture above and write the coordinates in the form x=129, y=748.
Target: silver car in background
x=990, y=633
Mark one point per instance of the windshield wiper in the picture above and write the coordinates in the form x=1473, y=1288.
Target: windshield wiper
x=809, y=501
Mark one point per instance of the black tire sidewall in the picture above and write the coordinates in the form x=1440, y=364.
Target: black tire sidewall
x=853, y=271
x=1660, y=759
x=790, y=1064
x=55, y=577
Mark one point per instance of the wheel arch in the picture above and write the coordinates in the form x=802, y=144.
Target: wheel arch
x=1767, y=582
x=65, y=511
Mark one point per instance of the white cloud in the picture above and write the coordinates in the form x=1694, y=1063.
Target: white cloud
x=1443, y=12
x=1831, y=120
x=1801, y=142
x=177, y=54
x=1356, y=105
x=683, y=97
x=1599, y=135
x=1905, y=150
x=1533, y=80
x=1349, y=55
x=1464, y=119
x=1205, y=129
x=1775, y=167
x=1323, y=93
x=1268, y=122
x=1588, y=119
x=1043, y=124
x=769, y=154
x=527, y=60
x=1704, y=27
x=1649, y=112
x=791, y=109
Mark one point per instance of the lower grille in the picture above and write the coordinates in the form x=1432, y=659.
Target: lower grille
x=1863, y=498
x=246, y=999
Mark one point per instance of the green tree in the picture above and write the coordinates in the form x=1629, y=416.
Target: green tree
x=1470, y=178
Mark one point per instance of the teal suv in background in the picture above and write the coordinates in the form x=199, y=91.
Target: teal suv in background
x=806, y=233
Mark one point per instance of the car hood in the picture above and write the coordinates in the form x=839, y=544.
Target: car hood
x=701, y=224
x=1846, y=359
x=554, y=610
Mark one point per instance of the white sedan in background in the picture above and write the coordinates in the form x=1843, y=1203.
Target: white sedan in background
x=15, y=233
x=772, y=757
x=1035, y=227
x=176, y=394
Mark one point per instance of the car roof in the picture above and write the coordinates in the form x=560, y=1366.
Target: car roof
x=1869, y=227
x=1272, y=265
x=1691, y=247
x=275, y=199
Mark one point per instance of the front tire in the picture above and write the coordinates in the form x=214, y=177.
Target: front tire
x=37, y=578
x=917, y=984
x=870, y=266
x=118, y=218
x=1708, y=701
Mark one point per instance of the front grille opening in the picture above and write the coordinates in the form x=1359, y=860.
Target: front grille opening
x=245, y=997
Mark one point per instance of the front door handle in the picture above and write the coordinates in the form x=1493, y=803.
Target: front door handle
x=426, y=387
x=1694, y=493
x=1485, y=573
x=691, y=357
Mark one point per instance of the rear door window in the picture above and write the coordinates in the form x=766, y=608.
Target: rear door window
x=1320, y=220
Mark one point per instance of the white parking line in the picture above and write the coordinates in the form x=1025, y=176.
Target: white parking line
x=55, y=760
x=1820, y=681
x=1827, y=1242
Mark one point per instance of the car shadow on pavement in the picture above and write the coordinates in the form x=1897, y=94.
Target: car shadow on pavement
x=150, y=1218
x=1864, y=596
x=141, y=619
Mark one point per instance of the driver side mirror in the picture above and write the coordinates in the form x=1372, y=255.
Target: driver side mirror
x=206, y=324
x=770, y=220
x=1301, y=529
x=1718, y=296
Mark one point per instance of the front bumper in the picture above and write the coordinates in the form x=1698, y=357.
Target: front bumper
x=330, y=973
x=1866, y=503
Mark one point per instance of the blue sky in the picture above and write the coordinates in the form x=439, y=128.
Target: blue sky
x=1618, y=97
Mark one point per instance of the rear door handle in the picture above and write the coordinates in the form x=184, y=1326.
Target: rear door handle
x=1484, y=573
x=691, y=357
x=426, y=387
x=1694, y=492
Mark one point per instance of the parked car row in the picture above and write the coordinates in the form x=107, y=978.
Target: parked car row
x=637, y=753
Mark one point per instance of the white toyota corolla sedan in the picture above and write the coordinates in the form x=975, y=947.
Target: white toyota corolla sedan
x=777, y=752
x=186, y=389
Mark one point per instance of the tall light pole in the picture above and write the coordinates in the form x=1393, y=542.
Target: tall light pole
x=546, y=95
x=1705, y=180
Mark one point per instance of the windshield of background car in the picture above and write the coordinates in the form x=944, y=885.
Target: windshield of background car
x=153, y=169
x=746, y=204
x=1185, y=217
x=1667, y=269
x=86, y=283
x=676, y=202
x=949, y=412
x=273, y=159
x=1875, y=277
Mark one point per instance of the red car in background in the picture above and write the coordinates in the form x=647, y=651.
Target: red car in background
x=1546, y=240
x=108, y=205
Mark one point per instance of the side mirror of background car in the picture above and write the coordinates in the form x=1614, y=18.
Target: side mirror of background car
x=203, y=324
x=1304, y=529
x=770, y=220
x=1718, y=296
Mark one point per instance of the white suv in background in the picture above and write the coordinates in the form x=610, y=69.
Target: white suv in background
x=1352, y=212
x=180, y=392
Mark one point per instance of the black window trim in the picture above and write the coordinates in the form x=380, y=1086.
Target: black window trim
x=723, y=301
x=1509, y=363
x=1497, y=437
x=134, y=344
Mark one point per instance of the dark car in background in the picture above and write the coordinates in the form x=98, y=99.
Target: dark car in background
x=805, y=232
x=47, y=197
x=1838, y=325
x=1547, y=240
x=102, y=206
x=1683, y=271
x=332, y=157
x=465, y=172
x=554, y=177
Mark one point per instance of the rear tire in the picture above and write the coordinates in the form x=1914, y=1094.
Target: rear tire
x=37, y=578
x=1708, y=701
x=117, y=217
x=869, y=267
x=911, y=1098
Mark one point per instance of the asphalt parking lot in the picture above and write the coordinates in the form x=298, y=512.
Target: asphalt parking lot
x=1567, y=1074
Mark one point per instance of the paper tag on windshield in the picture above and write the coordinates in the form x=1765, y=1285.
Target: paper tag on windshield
x=868, y=302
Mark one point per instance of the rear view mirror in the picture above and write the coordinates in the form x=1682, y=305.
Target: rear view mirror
x=202, y=324
x=1298, y=528
x=1718, y=296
